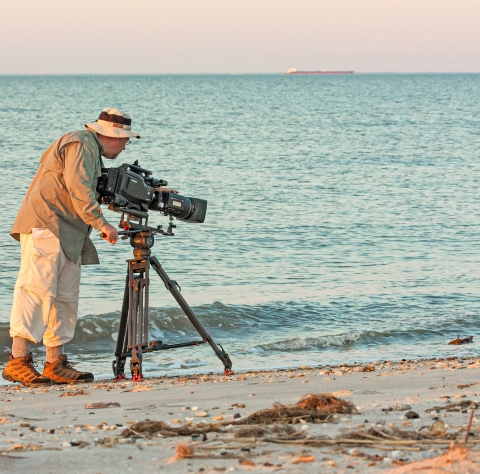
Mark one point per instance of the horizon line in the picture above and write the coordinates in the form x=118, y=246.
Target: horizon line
x=216, y=73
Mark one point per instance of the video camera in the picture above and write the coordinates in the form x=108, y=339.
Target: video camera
x=132, y=189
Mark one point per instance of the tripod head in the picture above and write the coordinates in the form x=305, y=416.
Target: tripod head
x=141, y=235
x=140, y=221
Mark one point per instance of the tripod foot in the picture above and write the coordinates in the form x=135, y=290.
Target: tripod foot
x=118, y=366
x=137, y=378
x=136, y=369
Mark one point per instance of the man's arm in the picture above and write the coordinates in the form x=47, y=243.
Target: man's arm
x=80, y=181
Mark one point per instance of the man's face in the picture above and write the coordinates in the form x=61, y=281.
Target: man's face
x=112, y=147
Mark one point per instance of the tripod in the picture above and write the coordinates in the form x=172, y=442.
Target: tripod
x=133, y=330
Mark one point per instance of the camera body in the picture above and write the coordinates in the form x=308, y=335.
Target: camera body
x=130, y=188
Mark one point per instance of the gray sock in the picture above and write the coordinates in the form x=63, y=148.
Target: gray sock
x=21, y=346
x=53, y=353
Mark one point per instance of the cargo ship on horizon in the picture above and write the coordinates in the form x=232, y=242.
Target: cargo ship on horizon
x=293, y=70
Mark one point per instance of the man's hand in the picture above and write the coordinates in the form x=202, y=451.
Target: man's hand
x=108, y=232
x=166, y=190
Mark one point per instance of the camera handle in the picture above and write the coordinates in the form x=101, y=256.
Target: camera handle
x=171, y=226
x=158, y=230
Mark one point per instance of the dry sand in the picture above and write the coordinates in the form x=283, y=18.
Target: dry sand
x=47, y=430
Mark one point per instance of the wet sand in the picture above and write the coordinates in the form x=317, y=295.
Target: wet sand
x=51, y=429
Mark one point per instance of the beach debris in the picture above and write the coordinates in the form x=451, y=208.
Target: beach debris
x=411, y=414
x=460, y=340
x=107, y=442
x=437, y=429
x=325, y=401
x=254, y=431
x=261, y=431
x=457, y=460
x=466, y=385
x=404, y=407
x=469, y=426
x=390, y=438
x=74, y=394
x=184, y=451
x=310, y=408
x=21, y=447
x=365, y=368
x=393, y=432
x=201, y=414
x=27, y=447
x=96, y=406
x=79, y=444
x=150, y=428
x=142, y=388
x=301, y=459
x=463, y=405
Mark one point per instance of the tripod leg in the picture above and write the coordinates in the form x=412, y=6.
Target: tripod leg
x=120, y=358
x=220, y=353
x=138, y=317
x=146, y=303
x=136, y=365
x=137, y=353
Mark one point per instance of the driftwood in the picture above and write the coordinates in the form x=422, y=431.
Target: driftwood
x=387, y=438
x=147, y=428
x=395, y=433
x=463, y=405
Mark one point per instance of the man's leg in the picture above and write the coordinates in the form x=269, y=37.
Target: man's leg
x=61, y=325
x=27, y=320
x=53, y=353
x=21, y=347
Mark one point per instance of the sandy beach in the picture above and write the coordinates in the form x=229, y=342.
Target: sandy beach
x=92, y=428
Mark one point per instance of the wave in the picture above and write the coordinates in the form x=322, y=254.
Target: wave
x=280, y=327
x=305, y=343
x=102, y=329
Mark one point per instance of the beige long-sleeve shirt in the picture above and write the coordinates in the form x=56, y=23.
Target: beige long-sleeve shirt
x=62, y=196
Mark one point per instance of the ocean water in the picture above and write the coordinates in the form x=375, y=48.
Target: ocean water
x=343, y=220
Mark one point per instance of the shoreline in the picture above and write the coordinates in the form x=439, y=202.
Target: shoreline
x=192, y=373
x=90, y=439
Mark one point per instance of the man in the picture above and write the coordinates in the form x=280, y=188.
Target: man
x=53, y=226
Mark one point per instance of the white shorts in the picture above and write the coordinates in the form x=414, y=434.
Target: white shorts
x=45, y=300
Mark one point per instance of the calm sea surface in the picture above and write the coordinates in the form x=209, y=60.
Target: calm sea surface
x=343, y=217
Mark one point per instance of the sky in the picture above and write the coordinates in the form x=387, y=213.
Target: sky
x=238, y=36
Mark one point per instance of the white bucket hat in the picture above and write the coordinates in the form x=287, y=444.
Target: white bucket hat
x=113, y=123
